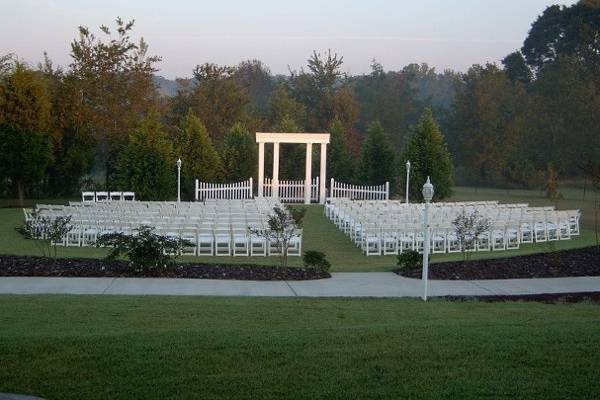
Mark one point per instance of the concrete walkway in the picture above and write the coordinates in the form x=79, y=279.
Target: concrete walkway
x=370, y=284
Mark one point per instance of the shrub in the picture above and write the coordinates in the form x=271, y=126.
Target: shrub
x=282, y=227
x=410, y=259
x=146, y=251
x=46, y=231
x=468, y=228
x=297, y=214
x=316, y=259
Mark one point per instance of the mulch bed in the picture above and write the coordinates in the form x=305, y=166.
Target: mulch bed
x=549, y=298
x=95, y=268
x=567, y=263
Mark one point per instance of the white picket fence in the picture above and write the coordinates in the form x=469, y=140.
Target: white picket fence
x=230, y=191
x=292, y=191
x=359, y=192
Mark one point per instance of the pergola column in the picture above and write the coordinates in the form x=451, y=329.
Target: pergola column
x=261, y=167
x=308, y=175
x=275, y=182
x=323, y=173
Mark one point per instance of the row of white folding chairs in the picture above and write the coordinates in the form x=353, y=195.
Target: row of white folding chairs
x=166, y=210
x=537, y=214
x=408, y=213
x=526, y=231
x=93, y=197
x=218, y=241
x=386, y=241
x=164, y=213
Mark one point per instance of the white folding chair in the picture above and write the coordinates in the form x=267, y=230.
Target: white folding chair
x=295, y=244
x=88, y=197
x=222, y=242
x=115, y=196
x=102, y=196
x=128, y=196
x=206, y=241
x=240, y=242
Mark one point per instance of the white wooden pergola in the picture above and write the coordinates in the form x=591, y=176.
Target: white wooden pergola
x=307, y=138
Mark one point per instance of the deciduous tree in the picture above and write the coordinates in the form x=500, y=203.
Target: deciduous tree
x=113, y=87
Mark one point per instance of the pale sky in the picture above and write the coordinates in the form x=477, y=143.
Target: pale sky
x=443, y=33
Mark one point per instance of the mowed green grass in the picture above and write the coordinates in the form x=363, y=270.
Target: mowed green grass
x=320, y=234
x=87, y=347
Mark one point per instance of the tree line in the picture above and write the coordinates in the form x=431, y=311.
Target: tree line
x=101, y=122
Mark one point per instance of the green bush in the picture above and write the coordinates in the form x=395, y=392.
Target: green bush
x=146, y=251
x=410, y=259
x=316, y=259
x=47, y=232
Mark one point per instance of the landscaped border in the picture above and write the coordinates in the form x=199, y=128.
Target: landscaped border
x=98, y=268
x=558, y=264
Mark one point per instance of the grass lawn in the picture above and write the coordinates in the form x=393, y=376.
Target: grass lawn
x=87, y=347
x=322, y=235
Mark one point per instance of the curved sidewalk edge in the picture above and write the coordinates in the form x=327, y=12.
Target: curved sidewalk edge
x=367, y=284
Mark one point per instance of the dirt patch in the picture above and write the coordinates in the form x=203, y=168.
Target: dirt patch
x=566, y=263
x=95, y=268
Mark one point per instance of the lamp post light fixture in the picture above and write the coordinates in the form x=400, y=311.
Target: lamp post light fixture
x=179, y=180
x=427, y=195
x=407, y=178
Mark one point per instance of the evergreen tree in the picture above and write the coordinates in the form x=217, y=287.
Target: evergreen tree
x=146, y=164
x=340, y=164
x=200, y=158
x=428, y=156
x=25, y=142
x=239, y=154
x=377, y=158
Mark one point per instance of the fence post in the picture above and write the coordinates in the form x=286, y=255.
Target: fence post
x=196, y=191
x=331, y=189
x=387, y=190
x=251, y=189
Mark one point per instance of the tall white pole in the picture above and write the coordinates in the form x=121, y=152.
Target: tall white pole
x=407, y=178
x=179, y=180
x=308, y=174
x=323, y=173
x=275, y=181
x=261, y=167
x=428, y=191
x=426, y=252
